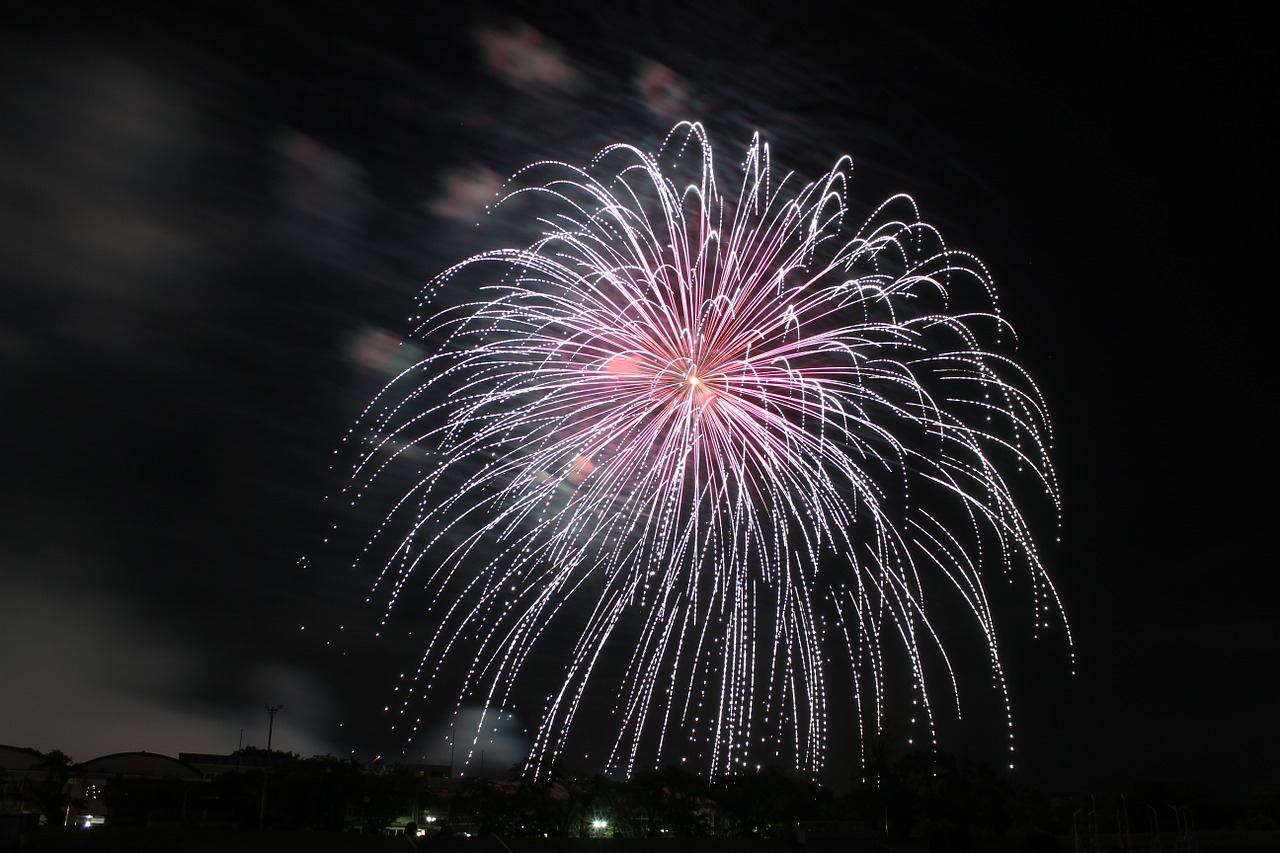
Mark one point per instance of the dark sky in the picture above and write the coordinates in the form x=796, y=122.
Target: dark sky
x=207, y=224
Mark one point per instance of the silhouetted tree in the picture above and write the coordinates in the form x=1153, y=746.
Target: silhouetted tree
x=1031, y=811
x=672, y=799
x=316, y=793
x=1210, y=810
x=388, y=794
x=50, y=792
x=758, y=802
x=1262, y=811
x=929, y=791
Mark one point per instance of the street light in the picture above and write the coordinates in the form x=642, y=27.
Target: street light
x=262, y=810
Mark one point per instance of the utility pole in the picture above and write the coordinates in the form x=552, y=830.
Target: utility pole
x=262, y=810
x=453, y=786
x=271, y=712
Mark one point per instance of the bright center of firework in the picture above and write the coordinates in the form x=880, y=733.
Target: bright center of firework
x=693, y=380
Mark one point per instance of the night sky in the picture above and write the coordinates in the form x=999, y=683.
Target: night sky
x=211, y=223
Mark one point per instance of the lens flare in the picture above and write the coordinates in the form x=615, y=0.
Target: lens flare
x=691, y=462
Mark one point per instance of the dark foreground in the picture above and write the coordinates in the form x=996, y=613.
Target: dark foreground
x=108, y=839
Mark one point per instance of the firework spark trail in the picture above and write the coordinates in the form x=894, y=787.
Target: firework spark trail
x=710, y=434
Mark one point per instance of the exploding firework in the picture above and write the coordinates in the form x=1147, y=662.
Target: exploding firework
x=701, y=452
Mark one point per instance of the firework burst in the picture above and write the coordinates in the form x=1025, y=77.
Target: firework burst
x=714, y=446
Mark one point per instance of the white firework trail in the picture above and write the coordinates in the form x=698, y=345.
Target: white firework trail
x=722, y=440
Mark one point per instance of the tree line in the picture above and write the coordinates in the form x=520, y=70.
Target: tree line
x=919, y=793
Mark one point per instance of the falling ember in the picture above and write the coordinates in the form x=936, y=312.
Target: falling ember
x=725, y=442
